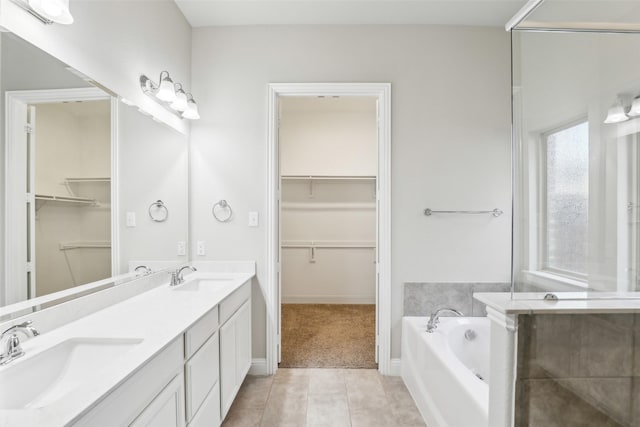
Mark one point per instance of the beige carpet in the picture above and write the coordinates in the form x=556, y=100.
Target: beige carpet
x=328, y=336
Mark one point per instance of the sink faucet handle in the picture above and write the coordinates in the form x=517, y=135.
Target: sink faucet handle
x=24, y=326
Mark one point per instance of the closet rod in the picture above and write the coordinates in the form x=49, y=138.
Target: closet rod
x=322, y=246
x=84, y=245
x=329, y=177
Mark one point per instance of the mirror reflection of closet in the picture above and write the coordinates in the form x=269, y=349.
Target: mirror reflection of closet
x=71, y=158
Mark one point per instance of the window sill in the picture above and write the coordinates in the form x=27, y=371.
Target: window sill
x=554, y=282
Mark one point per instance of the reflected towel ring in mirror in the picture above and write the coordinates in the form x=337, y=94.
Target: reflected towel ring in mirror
x=222, y=211
x=158, y=212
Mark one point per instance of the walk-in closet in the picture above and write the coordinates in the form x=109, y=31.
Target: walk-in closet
x=328, y=165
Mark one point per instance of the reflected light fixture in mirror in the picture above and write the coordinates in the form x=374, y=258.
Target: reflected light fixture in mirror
x=47, y=11
x=616, y=113
x=170, y=95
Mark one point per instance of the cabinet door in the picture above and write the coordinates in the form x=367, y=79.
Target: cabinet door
x=201, y=374
x=243, y=342
x=209, y=413
x=227, y=365
x=167, y=409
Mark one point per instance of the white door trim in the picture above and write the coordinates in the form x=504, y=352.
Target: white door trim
x=383, y=93
x=13, y=100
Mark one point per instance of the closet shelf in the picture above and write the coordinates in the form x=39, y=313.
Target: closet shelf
x=91, y=179
x=65, y=199
x=65, y=246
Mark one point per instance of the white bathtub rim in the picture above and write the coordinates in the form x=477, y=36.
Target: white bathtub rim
x=479, y=390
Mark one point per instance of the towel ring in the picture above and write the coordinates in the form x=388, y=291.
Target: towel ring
x=217, y=211
x=158, y=211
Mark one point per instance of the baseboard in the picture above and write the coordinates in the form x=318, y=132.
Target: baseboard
x=258, y=367
x=395, y=367
x=328, y=299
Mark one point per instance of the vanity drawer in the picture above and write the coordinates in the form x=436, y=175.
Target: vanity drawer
x=202, y=374
x=200, y=332
x=234, y=301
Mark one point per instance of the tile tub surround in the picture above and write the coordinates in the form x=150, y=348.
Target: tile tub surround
x=324, y=397
x=422, y=299
x=157, y=316
x=578, y=370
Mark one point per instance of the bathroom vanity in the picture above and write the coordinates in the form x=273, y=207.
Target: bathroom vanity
x=170, y=356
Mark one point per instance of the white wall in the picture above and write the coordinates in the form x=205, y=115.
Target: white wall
x=450, y=140
x=153, y=165
x=328, y=137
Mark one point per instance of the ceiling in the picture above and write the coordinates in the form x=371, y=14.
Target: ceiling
x=203, y=13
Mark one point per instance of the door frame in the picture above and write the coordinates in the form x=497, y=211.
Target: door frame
x=14, y=289
x=381, y=91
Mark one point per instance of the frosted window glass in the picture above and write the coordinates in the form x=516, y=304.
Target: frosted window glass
x=567, y=199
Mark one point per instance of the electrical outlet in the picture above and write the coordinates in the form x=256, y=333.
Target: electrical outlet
x=131, y=219
x=182, y=247
x=253, y=219
x=200, y=250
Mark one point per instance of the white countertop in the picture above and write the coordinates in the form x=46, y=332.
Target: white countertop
x=157, y=316
x=567, y=303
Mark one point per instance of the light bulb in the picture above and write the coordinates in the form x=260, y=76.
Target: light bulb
x=616, y=113
x=166, y=92
x=180, y=103
x=191, y=112
x=635, y=107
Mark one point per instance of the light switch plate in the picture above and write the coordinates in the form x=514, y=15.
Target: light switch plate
x=253, y=219
x=182, y=247
x=131, y=219
x=200, y=249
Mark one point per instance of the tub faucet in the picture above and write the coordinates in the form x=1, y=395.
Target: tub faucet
x=176, y=276
x=10, y=343
x=434, y=319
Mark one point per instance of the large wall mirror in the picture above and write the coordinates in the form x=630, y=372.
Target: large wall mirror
x=92, y=187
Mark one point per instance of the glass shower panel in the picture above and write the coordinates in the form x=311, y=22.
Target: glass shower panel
x=576, y=180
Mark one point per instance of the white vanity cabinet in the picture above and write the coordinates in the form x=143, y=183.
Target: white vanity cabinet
x=154, y=392
x=190, y=383
x=202, y=367
x=235, y=344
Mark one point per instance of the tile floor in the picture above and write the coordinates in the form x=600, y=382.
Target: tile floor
x=324, y=397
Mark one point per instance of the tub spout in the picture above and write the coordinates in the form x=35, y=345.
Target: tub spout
x=434, y=319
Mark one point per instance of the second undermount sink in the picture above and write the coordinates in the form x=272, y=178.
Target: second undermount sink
x=39, y=380
x=196, y=285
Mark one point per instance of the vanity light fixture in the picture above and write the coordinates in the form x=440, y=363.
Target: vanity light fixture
x=170, y=95
x=635, y=107
x=47, y=11
x=616, y=113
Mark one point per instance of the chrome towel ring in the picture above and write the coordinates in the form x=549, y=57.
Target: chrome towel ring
x=222, y=211
x=158, y=211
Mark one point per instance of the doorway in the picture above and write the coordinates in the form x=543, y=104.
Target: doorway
x=60, y=150
x=273, y=293
x=328, y=170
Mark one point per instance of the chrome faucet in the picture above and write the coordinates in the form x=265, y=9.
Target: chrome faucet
x=145, y=270
x=176, y=276
x=10, y=343
x=434, y=319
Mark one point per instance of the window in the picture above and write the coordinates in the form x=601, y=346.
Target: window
x=566, y=200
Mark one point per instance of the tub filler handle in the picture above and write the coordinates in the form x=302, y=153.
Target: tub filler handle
x=434, y=319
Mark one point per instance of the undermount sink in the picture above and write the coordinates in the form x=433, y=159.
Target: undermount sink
x=37, y=381
x=196, y=285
